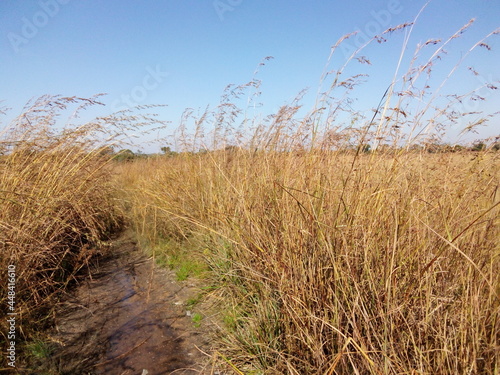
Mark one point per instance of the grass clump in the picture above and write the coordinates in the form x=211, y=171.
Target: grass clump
x=57, y=202
x=40, y=350
x=181, y=256
x=329, y=256
x=196, y=318
x=392, y=267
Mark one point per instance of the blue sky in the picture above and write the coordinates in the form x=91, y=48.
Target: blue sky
x=183, y=53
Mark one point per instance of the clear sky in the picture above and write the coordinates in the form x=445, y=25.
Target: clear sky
x=183, y=53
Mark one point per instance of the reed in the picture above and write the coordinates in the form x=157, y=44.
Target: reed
x=58, y=204
x=326, y=257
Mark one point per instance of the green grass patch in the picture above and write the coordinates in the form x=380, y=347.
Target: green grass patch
x=196, y=318
x=191, y=302
x=39, y=349
x=184, y=257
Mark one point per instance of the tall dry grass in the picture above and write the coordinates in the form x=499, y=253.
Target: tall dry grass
x=57, y=202
x=328, y=259
x=387, y=266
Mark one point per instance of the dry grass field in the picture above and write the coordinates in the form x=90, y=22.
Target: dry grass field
x=337, y=263
x=320, y=255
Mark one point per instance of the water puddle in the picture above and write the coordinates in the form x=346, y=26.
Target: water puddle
x=129, y=318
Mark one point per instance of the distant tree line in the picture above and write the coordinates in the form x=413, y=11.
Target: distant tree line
x=125, y=155
x=434, y=147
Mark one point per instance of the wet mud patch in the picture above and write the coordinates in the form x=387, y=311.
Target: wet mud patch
x=128, y=318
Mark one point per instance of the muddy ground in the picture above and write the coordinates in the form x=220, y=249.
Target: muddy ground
x=129, y=317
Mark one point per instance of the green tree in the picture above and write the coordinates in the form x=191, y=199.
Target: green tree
x=168, y=151
x=478, y=146
x=125, y=155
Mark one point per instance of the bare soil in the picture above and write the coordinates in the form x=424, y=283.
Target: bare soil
x=129, y=317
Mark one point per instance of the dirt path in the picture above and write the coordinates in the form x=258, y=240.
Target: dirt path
x=130, y=318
